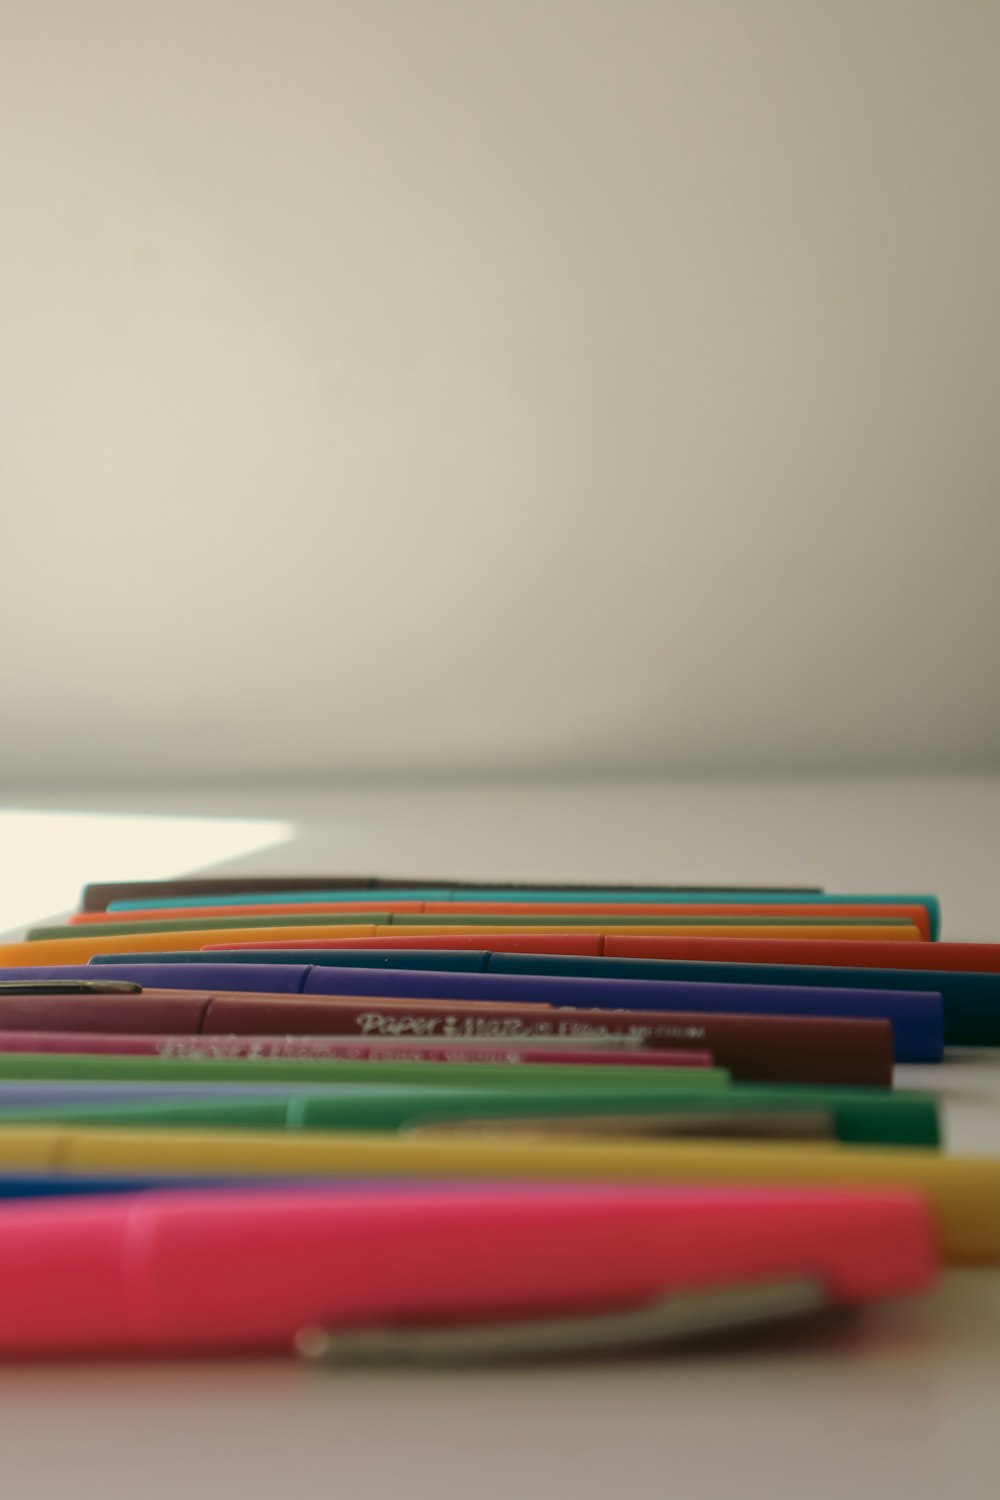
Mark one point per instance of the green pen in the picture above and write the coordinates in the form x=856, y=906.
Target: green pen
x=536, y=1079
x=862, y=1117
x=383, y=919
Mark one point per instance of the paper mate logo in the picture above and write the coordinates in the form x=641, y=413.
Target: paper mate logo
x=512, y=1028
x=449, y=1027
x=374, y=1024
x=501, y=1030
x=224, y=1047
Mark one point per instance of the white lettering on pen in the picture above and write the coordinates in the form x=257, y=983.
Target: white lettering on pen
x=507, y=1029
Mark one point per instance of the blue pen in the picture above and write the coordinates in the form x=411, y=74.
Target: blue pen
x=18, y=1185
x=29, y=1093
x=971, y=1001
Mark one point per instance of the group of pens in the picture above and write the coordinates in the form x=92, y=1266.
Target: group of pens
x=380, y=1120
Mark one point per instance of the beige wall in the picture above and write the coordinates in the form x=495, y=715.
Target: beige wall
x=498, y=383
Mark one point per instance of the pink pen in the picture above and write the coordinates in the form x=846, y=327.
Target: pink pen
x=343, y=1049
x=442, y=1273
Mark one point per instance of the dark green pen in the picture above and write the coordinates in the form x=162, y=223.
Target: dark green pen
x=864, y=1116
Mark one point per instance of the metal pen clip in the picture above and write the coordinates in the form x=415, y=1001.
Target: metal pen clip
x=69, y=987
x=757, y=1125
x=673, y=1319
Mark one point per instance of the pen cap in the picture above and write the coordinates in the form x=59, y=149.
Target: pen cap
x=77, y=950
x=63, y=1273
x=286, y=979
x=140, y=1013
x=187, y=1272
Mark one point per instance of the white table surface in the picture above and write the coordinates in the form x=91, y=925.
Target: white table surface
x=901, y=1402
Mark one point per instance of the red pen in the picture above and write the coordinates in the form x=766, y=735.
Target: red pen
x=981, y=958
x=975, y=958
x=629, y=1054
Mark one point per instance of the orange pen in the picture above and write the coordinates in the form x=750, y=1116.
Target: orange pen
x=100, y=940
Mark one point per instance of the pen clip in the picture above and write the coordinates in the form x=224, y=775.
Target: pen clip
x=672, y=1319
x=69, y=987
x=770, y=1125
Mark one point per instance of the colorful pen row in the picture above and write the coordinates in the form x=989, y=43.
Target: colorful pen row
x=916, y=1015
x=473, y=1121
x=962, y=1193
x=754, y=1048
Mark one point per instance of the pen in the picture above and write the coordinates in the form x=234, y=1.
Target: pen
x=864, y=1117
x=122, y=923
x=501, y=913
x=963, y=1193
x=971, y=1000
x=573, y=942
x=980, y=958
x=379, y=1273
x=15, y=1185
x=386, y=923
x=34, y=1093
x=79, y=949
x=971, y=1008
x=460, y=1050
x=763, y=1049
x=98, y=895
x=916, y=1016
x=55, y=1184
x=539, y=1078
x=252, y=891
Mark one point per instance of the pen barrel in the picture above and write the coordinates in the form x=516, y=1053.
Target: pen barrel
x=184, y=1273
x=62, y=1286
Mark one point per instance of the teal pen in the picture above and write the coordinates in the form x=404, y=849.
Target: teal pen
x=488, y=894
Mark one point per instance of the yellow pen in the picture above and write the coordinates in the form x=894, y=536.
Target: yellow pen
x=879, y=932
x=963, y=1192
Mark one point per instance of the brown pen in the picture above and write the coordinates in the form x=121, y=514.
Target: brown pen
x=99, y=894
